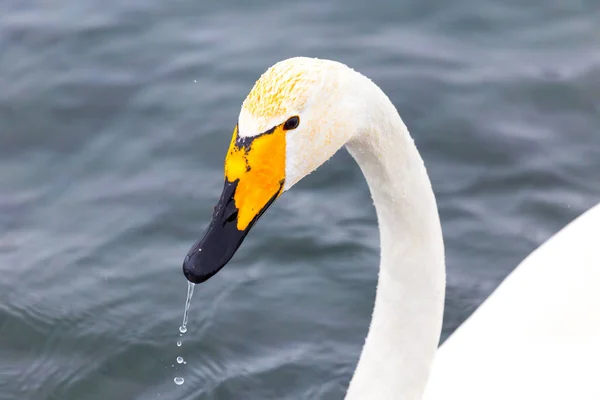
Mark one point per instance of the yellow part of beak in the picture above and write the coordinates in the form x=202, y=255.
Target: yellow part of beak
x=258, y=164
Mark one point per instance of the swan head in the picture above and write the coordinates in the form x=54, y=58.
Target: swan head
x=297, y=115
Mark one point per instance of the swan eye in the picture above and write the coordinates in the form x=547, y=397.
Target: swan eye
x=291, y=123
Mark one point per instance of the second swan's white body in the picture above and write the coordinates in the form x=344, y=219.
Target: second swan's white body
x=538, y=335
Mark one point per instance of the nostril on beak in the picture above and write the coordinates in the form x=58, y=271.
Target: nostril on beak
x=233, y=216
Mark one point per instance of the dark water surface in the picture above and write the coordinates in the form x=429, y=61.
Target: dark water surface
x=114, y=121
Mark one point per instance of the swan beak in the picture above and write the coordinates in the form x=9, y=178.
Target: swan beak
x=254, y=178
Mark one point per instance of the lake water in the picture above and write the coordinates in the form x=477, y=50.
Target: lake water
x=114, y=121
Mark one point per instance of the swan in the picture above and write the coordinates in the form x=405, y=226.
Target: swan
x=536, y=337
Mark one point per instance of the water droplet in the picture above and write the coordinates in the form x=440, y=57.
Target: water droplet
x=179, y=343
x=178, y=380
x=188, y=300
x=179, y=360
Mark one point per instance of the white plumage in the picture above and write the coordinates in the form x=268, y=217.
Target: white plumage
x=536, y=337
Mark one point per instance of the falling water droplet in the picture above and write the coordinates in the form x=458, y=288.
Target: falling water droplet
x=188, y=300
x=183, y=328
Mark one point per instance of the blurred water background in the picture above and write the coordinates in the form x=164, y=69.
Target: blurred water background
x=114, y=121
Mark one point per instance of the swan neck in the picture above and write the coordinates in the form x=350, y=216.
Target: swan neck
x=407, y=315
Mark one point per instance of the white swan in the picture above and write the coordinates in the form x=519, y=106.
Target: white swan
x=536, y=337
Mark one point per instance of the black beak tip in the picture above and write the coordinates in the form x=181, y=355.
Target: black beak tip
x=221, y=240
x=193, y=271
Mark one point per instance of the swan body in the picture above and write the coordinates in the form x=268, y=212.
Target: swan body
x=538, y=333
